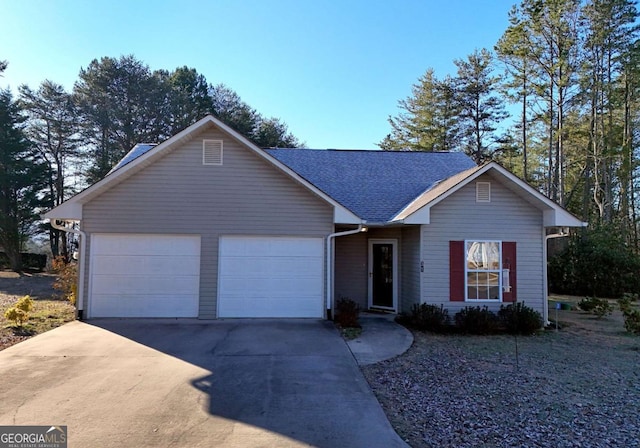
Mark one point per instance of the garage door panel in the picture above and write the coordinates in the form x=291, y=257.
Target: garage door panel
x=144, y=275
x=140, y=244
x=271, y=277
x=269, y=267
x=134, y=305
x=123, y=265
x=267, y=306
x=145, y=285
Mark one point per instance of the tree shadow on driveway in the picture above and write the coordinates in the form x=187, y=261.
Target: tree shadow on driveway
x=271, y=378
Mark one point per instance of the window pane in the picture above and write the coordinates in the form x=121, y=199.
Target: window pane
x=472, y=282
x=483, y=255
x=483, y=285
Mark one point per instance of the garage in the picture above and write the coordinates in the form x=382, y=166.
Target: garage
x=140, y=275
x=270, y=277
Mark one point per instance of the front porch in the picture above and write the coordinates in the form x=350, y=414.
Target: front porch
x=379, y=269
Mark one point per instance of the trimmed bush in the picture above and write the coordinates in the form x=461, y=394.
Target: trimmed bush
x=476, y=320
x=426, y=317
x=347, y=312
x=632, y=321
x=630, y=314
x=519, y=319
x=593, y=305
x=19, y=313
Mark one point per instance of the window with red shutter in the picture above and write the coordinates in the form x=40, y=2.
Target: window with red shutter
x=456, y=271
x=482, y=271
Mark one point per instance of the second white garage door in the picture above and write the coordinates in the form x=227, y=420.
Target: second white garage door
x=270, y=277
x=137, y=275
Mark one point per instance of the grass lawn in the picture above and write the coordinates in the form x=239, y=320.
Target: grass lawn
x=49, y=310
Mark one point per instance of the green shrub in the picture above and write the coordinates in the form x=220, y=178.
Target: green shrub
x=426, y=317
x=630, y=314
x=596, y=262
x=476, y=320
x=519, y=319
x=19, y=312
x=347, y=312
x=625, y=303
x=632, y=321
x=593, y=305
x=25, y=304
x=16, y=315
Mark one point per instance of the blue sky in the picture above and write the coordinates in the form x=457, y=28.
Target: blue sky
x=332, y=70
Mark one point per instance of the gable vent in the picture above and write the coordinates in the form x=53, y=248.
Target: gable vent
x=212, y=152
x=483, y=191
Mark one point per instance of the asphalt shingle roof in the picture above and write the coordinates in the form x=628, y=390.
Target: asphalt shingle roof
x=375, y=185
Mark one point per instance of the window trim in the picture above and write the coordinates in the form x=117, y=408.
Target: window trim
x=498, y=271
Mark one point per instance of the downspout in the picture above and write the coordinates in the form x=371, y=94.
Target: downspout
x=545, y=280
x=329, y=267
x=81, y=261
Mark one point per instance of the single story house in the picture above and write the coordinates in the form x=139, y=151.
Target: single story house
x=207, y=225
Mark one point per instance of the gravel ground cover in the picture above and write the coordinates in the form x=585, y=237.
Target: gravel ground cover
x=578, y=387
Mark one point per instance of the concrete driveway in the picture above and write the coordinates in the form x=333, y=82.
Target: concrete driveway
x=234, y=383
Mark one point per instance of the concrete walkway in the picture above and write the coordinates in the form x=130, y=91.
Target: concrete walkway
x=188, y=383
x=381, y=339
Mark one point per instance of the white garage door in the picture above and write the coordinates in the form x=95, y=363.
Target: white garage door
x=144, y=275
x=270, y=277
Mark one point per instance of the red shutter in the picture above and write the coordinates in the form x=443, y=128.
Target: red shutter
x=456, y=271
x=509, y=262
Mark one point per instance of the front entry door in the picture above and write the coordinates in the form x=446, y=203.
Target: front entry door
x=383, y=284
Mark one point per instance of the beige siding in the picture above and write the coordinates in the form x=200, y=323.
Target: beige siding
x=178, y=194
x=410, y=262
x=507, y=218
x=352, y=264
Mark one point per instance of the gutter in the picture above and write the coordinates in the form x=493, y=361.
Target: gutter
x=545, y=273
x=81, y=261
x=329, y=267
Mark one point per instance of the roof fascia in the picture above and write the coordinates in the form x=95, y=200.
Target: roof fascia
x=553, y=214
x=68, y=210
x=341, y=213
x=117, y=176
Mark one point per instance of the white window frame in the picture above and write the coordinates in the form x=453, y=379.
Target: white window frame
x=498, y=272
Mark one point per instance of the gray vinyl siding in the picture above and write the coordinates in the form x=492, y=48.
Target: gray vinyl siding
x=506, y=218
x=351, y=278
x=410, y=262
x=177, y=194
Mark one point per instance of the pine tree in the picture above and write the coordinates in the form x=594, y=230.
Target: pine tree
x=22, y=178
x=481, y=108
x=429, y=121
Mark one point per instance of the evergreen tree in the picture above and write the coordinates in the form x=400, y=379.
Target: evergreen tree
x=22, y=178
x=121, y=103
x=429, y=118
x=52, y=127
x=481, y=109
